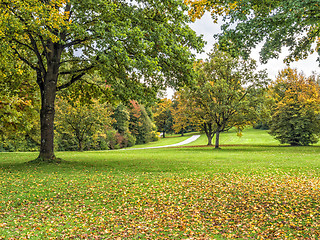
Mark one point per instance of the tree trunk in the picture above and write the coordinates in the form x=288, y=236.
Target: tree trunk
x=209, y=140
x=80, y=146
x=164, y=134
x=48, y=86
x=217, y=139
x=208, y=130
x=47, y=122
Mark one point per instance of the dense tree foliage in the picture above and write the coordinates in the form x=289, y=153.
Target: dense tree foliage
x=296, y=108
x=183, y=114
x=228, y=92
x=163, y=116
x=138, y=46
x=19, y=104
x=292, y=23
x=81, y=124
x=140, y=125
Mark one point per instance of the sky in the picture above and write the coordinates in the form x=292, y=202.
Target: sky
x=208, y=28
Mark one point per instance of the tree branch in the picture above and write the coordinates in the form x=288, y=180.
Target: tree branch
x=74, y=78
x=25, y=60
x=76, y=71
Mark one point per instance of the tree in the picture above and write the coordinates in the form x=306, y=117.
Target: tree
x=163, y=117
x=122, y=118
x=138, y=46
x=121, y=114
x=19, y=104
x=183, y=115
x=295, y=114
x=79, y=122
x=228, y=91
x=293, y=24
x=140, y=124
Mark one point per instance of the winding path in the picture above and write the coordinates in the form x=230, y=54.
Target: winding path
x=189, y=140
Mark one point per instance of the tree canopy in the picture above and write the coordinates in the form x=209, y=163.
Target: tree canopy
x=292, y=23
x=163, y=116
x=137, y=46
x=228, y=92
x=295, y=109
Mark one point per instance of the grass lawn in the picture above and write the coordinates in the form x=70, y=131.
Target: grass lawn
x=255, y=190
x=168, y=140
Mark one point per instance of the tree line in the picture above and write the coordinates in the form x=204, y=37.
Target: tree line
x=116, y=51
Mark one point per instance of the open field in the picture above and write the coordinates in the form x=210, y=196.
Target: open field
x=261, y=190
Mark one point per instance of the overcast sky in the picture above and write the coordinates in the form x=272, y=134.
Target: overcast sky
x=207, y=28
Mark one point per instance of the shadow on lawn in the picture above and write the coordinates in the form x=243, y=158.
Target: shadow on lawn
x=245, y=148
x=147, y=160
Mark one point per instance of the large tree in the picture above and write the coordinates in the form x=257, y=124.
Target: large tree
x=138, y=46
x=228, y=92
x=277, y=23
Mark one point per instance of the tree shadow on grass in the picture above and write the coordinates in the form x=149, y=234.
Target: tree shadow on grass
x=244, y=148
x=148, y=162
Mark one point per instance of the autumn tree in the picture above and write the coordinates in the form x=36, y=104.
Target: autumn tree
x=78, y=122
x=138, y=46
x=228, y=91
x=19, y=104
x=183, y=114
x=295, y=113
x=163, y=116
x=276, y=23
x=140, y=124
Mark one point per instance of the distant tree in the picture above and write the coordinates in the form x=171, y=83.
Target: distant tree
x=228, y=92
x=140, y=124
x=296, y=109
x=183, y=115
x=122, y=118
x=163, y=116
x=128, y=41
x=77, y=123
x=277, y=23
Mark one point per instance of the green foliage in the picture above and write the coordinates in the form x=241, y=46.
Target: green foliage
x=19, y=107
x=293, y=24
x=80, y=126
x=63, y=40
x=183, y=116
x=227, y=94
x=163, y=116
x=261, y=125
x=140, y=124
x=295, y=114
x=122, y=117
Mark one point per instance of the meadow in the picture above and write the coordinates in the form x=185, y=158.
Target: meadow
x=252, y=187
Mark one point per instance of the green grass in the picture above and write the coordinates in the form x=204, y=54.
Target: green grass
x=168, y=140
x=249, y=136
x=261, y=190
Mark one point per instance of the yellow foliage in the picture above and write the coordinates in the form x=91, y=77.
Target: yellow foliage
x=199, y=7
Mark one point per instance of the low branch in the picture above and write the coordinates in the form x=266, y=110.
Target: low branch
x=36, y=51
x=74, y=78
x=75, y=42
x=75, y=71
x=25, y=60
x=23, y=44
